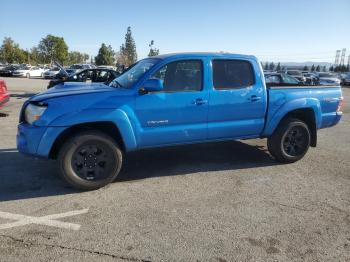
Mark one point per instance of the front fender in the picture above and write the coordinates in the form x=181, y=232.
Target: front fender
x=284, y=109
x=116, y=116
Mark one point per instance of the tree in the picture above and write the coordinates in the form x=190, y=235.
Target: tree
x=348, y=68
x=272, y=66
x=305, y=68
x=278, y=68
x=127, y=53
x=10, y=52
x=76, y=57
x=318, y=68
x=105, y=55
x=152, y=50
x=331, y=68
x=313, y=68
x=266, y=67
x=324, y=69
x=53, y=48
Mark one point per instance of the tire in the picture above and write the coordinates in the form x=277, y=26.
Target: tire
x=290, y=141
x=90, y=160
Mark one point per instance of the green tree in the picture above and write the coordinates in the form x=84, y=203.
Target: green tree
x=152, y=50
x=331, y=68
x=324, y=69
x=278, y=68
x=76, y=57
x=127, y=53
x=318, y=68
x=305, y=68
x=10, y=52
x=53, y=48
x=272, y=66
x=105, y=55
x=313, y=68
x=35, y=56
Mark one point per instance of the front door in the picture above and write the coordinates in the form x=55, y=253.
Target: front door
x=178, y=113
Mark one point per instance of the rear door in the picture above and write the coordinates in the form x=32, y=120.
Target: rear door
x=237, y=102
x=178, y=113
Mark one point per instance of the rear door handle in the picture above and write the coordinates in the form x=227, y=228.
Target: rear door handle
x=199, y=101
x=254, y=98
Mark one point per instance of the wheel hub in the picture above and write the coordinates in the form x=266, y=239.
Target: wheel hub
x=92, y=161
x=295, y=141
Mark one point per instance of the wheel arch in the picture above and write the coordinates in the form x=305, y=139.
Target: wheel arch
x=106, y=127
x=305, y=109
x=307, y=115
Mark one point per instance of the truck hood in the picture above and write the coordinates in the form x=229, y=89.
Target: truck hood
x=71, y=88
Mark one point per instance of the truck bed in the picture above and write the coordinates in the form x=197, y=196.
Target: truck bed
x=323, y=100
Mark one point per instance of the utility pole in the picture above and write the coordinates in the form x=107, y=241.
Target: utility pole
x=342, y=59
x=337, y=56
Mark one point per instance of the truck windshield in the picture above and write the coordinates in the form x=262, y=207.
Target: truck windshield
x=131, y=76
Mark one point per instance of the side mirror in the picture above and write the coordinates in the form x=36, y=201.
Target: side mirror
x=152, y=85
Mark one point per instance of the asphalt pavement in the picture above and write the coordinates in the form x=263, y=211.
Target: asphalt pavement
x=210, y=202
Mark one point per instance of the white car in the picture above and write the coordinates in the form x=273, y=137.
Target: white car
x=29, y=72
x=51, y=73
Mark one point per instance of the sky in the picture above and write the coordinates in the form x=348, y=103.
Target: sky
x=293, y=31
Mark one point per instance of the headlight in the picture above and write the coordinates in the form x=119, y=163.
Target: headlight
x=33, y=112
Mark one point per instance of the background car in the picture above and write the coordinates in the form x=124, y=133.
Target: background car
x=311, y=79
x=296, y=74
x=4, y=95
x=281, y=79
x=345, y=79
x=29, y=72
x=328, y=79
x=8, y=70
x=97, y=75
x=51, y=73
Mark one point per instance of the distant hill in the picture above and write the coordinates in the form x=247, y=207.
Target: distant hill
x=308, y=63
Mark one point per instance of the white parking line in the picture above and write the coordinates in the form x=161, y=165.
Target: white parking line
x=49, y=220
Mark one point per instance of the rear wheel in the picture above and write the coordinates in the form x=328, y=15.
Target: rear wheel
x=90, y=160
x=290, y=141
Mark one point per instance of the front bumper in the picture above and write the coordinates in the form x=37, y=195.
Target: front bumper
x=36, y=140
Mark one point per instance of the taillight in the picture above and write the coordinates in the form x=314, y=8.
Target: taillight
x=340, y=105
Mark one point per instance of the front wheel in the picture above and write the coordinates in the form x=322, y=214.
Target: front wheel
x=90, y=160
x=290, y=141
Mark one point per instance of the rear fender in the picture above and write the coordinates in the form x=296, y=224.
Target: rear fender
x=290, y=106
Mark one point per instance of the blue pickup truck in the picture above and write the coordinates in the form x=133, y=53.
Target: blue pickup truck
x=171, y=100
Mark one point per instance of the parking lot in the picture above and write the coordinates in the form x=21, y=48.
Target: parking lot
x=210, y=202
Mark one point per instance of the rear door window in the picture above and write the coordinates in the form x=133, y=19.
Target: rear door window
x=232, y=74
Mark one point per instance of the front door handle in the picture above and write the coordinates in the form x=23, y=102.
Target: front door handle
x=199, y=101
x=254, y=98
